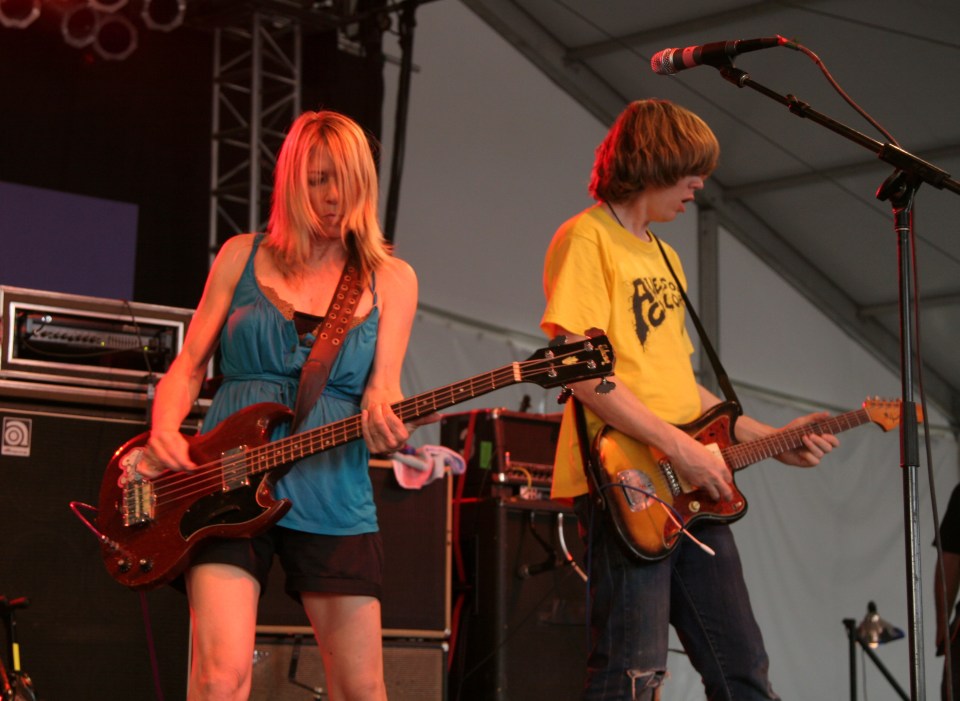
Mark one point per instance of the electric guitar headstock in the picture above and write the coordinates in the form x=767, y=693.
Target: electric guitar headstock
x=886, y=412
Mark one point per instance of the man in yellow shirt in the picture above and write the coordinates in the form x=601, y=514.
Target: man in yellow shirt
x=604, y=269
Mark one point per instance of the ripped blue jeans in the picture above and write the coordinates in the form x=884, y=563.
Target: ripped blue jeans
x=633, y=605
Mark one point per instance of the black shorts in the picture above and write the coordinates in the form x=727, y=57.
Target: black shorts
x=312, y=563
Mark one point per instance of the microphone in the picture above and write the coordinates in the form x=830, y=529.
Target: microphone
x=718, y=53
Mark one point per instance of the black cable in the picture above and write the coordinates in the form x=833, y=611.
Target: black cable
x=407, y=23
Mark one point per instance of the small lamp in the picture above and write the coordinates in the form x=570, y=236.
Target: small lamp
x=874, y=631
x=870, y=633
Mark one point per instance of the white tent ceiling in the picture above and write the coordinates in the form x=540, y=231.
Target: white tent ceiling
x=798, y=195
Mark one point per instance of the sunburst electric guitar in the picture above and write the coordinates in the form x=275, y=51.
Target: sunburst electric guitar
x=650, y=503
x=148, y=528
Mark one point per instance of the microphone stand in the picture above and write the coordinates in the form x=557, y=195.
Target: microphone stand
x=900, y=189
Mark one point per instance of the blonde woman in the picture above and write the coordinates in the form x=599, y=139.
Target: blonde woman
x=263, y=305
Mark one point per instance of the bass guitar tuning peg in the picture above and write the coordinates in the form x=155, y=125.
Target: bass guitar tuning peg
x=605, y=386
x=557, y=341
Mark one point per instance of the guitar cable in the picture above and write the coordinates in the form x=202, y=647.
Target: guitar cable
x=76, y=507
x=671, y=514
x=565, y=551
x=150, y=379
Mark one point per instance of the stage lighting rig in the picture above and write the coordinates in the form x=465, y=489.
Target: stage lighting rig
x=106, y=26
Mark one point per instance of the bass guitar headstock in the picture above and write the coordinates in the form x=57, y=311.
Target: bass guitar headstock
x=562, y=362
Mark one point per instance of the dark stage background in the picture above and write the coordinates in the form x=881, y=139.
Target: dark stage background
x=135, y=132
x=138, y=131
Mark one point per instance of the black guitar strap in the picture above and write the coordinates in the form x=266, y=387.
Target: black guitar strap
x=722, y=379
x=586, y=449
x=586, y=453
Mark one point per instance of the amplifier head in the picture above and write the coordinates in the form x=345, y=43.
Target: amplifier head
x=86, y=341
x=503, y=448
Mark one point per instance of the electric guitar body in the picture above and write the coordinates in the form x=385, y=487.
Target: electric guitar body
x=650, y=504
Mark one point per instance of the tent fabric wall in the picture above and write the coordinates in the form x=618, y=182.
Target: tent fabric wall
x=496, y=158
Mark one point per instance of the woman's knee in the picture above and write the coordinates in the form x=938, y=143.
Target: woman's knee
x=216, y=681
x=361, y=687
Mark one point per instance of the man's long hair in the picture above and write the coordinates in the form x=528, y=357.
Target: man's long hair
x=653, y=143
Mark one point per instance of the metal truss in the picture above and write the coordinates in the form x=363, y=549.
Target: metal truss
x=256, y=95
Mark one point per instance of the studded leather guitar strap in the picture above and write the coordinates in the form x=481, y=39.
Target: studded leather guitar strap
x=336, y=323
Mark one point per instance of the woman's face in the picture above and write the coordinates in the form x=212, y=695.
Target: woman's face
x=325, y=194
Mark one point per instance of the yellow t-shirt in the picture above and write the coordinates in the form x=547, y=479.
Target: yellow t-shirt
x=599, y=275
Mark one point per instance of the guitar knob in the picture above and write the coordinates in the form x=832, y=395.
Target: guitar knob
x=123, y=565
x=694, y=506
x=146, y=565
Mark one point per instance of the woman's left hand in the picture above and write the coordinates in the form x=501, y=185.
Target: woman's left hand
x=383, y=430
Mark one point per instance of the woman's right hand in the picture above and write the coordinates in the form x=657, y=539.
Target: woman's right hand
x=166, y=450
x=145, y=462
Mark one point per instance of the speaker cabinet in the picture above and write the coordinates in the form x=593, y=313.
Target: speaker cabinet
x=524, y=636
x=287, y=667
x=415, y=525
x=83, y=635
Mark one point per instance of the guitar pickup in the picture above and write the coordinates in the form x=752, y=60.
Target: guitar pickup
x=637, y=489
x=139, y=503
x=235, y=471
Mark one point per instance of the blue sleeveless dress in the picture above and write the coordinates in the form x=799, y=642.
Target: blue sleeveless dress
x=261, y=358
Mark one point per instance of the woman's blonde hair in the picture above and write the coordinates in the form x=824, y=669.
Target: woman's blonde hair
x=653, y=143
x=293, y=220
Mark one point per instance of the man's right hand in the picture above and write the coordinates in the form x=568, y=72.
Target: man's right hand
x=702, y=468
